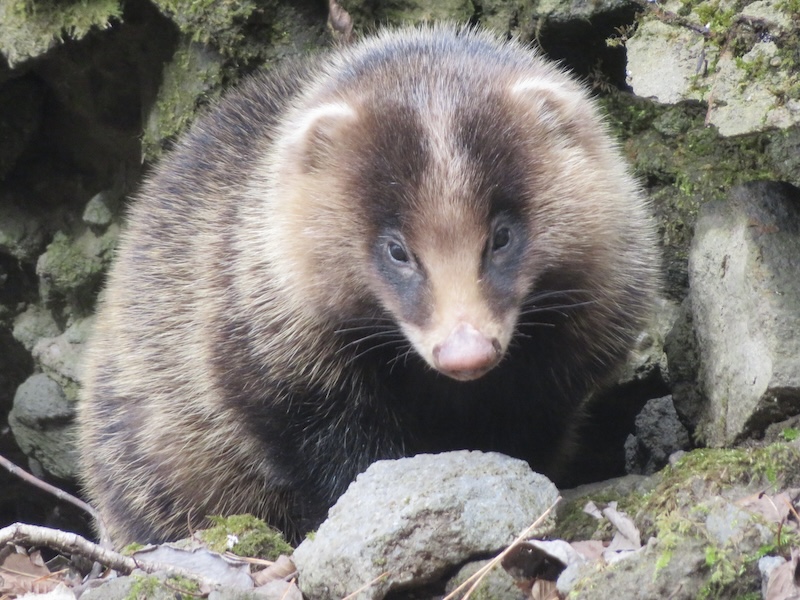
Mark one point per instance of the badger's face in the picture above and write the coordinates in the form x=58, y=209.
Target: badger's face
x=454, y=289
x=448, y=201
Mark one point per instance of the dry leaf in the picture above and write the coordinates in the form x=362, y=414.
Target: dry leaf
x=627, y=536
x=282, y=569
x=21, y=573
x=591, y=509
x=777, y=508
x=590, y=549
x=279, y=590
x=544, y=590
x=784, y=582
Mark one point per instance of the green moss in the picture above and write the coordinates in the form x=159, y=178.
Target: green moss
x=183, y=586
x=628, y=115
x=245, y=535
x=192, y=78
x=28, y=28
x=674, y=517
x=72, y=19
x=725, y=568
x=684, y=164
x=791, y=7
x=72, y=267
x=132, y=548
x=218, y=23
x=718, y=21
x=143, y=587
x=790, y=434
x=705, y=471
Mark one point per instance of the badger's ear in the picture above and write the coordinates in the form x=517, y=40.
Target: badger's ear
x=557, y=105
x=315, y=138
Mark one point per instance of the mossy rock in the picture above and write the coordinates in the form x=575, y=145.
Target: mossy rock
x=29, y=28
x=245, y=535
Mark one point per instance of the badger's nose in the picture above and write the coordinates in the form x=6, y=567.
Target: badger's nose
x=466, y=353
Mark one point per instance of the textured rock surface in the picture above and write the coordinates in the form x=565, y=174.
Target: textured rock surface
x=29, y=29
x=705, y=523
x=497, y=584
x=40, y=420
x=745, y=294
x=60, y=357
x=751, y=86
x=415, y=518
x=658, y=433
x=662, y=61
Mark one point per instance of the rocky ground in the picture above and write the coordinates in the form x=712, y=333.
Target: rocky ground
x=704, y=97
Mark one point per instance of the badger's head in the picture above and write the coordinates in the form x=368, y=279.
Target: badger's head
x=441, y=195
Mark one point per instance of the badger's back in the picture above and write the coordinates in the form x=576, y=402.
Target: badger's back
x=421, y=243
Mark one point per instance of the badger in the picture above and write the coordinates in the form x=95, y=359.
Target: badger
x=421, y=242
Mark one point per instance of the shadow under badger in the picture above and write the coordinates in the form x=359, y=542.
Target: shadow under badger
x=420, y=243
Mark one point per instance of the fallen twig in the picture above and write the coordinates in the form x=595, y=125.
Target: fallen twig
x=365, y=586
x=105, y=540
x=72, y=543
x=475, y=579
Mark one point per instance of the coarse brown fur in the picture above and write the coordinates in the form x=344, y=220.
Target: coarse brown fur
x=423, y=242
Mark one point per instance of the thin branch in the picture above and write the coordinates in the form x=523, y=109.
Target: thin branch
x=366, y=585
x=475, y=579
x=72, y=543
x=66, y=542
x=105, y=540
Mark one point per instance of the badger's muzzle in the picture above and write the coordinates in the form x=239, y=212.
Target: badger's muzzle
x=466, y=353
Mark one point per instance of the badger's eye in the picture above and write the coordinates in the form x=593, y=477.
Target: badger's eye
x=397, y=252
x=501, y=239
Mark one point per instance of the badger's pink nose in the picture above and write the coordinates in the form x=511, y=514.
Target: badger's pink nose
x=466, y=353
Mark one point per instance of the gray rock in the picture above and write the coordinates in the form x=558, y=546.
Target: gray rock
x=658, y=433
x=44, y=405
x=783, y=153
x=497, y=583
x=745, y=296
x=99, y=210
x=766, y=565
x=136, y=585
x=727, y=524
x=415, y=518
x=669, y=60
x=41, y=422
x=683, y=565
x=60, y=357
x=560, y=11
x=783, y=431
x=274, y=590
x=614, y=488
x=680, y=346
x=638, y=576
x=663, y=61
x=72, y=268
x=27, y=33
x=648, y=360
x=35, y=323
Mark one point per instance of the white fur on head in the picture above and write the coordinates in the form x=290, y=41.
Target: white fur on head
x=311, y=138
x=557, y=103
